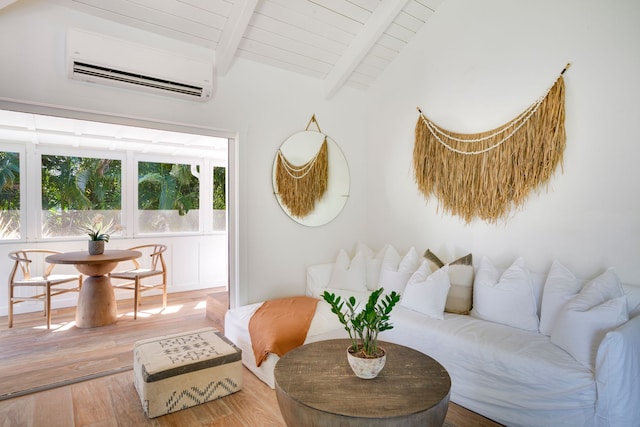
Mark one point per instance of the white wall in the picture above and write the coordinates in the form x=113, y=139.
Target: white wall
x=262, y=105
x=473, y=67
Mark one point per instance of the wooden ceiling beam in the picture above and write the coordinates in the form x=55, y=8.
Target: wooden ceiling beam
x=5, y=3
x=232, y=34
x=379, y=21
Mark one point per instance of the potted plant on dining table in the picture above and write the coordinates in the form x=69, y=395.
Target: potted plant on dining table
x=365, y=357
x=99, y=234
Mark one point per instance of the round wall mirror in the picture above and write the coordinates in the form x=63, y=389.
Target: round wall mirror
x=300, y=149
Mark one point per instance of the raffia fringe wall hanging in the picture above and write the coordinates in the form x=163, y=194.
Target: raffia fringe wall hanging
x=301, y=186
x=486, y=175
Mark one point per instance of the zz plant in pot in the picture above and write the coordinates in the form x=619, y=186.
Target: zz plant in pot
x=98, y=233
x=363, y=327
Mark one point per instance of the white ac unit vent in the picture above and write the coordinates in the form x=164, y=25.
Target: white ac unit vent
x=97, y=58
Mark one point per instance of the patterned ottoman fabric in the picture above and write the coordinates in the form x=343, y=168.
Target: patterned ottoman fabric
x=179, y=371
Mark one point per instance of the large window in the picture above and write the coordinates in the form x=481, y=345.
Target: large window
x=75, y=190
x=9, y=195
x=58, y=175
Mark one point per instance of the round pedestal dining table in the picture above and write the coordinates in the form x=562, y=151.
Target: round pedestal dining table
x=97, y=301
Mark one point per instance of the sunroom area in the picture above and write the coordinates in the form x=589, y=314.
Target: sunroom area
x=139, y=182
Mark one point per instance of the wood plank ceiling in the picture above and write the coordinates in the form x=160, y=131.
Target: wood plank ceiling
x=342, y=42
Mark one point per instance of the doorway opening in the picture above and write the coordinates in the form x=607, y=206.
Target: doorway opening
x=150, y=155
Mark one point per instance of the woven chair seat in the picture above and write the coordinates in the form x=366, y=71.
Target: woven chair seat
x=54, y=279
x=132, y=274
x=135, y=277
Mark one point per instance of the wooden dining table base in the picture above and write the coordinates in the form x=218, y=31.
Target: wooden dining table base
x=97, y=301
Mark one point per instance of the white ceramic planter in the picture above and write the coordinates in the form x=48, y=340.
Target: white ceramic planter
x=367, y=368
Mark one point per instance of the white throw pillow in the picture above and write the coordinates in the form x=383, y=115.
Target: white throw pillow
x=426, y=292
x=583, y=321
x=600, y=289
x=373, y=262
x=349, y=274
x=395, y=270
x=561, y=286
x=390, y=258
x=410, y=262
x=366, y=250
x=633, y=299
x=508, y=299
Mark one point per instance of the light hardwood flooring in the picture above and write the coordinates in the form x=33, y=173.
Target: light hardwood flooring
x=112, y=400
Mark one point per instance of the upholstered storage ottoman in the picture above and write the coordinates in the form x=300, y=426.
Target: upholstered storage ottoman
x=178, y=371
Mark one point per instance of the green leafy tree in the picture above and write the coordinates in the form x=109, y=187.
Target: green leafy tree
x=9, y=181
x=167, y=186
x=219, y=188
x=100, y=182
x=74, y=187
x=9, y=195
x=80, y=183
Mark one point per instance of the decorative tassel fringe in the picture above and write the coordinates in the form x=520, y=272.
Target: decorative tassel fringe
x=300, y=187
x=485, y=175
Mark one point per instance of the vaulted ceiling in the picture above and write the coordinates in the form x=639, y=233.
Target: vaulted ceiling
x=342, y=42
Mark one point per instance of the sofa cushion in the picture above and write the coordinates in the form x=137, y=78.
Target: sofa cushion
x=373, y=262
x=434, y=260
x=508, y=298
x=584, y=320
x=633, y=299
x=426, y=292
x=460, y=297
x=561, y=286
x=396, y=270
x=349, y=274
x=318, y=277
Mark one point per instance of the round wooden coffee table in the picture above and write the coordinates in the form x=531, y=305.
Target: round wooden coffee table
x=315, y=386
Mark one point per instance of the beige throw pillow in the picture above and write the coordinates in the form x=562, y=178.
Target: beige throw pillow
x=434, y=262
x=460, y=297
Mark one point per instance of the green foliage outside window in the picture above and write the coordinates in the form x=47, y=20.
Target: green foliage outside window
x=9, y=195
x=219, y=188
x=9, y=181
x=167, y=186
x=74, y=189
x=80, y=183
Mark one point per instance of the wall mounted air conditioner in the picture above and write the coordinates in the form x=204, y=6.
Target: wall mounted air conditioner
x=101, y=59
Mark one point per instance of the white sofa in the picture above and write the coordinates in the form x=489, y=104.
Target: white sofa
x=511, y=375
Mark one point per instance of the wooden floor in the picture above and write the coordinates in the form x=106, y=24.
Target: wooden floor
x=111, y=400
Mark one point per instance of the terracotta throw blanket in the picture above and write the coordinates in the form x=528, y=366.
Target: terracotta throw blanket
x=280, y=325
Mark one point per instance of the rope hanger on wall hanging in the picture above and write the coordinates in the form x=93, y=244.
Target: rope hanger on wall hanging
x=484, y=175
x=301, y=186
